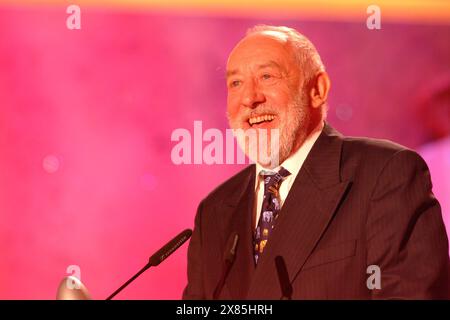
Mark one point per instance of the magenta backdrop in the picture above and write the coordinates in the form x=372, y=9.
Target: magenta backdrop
x=86, y=118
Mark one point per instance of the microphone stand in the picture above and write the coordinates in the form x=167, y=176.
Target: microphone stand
x=228, y=262
x=283, y=278
x=158, y=257
x=223, y=277
x=147, y=266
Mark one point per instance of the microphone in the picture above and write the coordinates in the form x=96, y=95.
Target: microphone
x=158, y=257
x=283, y=278
x=162, y=254
x=228, y=259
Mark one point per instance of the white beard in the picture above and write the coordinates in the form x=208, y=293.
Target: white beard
x=277, y=145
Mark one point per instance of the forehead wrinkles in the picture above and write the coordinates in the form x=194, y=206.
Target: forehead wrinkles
x=251, y=67
x=257, y=49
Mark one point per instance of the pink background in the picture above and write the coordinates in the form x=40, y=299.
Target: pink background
x=86, y=118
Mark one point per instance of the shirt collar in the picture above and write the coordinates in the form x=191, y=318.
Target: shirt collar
x=295, y=161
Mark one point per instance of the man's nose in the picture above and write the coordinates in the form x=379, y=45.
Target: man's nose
x=252, y=95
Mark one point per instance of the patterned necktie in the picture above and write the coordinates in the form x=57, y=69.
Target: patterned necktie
x=269, y=209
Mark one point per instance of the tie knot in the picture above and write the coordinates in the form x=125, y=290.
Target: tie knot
x=272, y=178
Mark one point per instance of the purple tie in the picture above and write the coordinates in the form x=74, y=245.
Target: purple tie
x=269, y=209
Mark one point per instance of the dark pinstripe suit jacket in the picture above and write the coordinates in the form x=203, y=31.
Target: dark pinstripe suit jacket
x=356, y=202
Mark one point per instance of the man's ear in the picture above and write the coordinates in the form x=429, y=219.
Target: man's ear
x=318, y=89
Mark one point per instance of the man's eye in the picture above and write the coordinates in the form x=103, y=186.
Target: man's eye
x=235, y=83
x=266, y=76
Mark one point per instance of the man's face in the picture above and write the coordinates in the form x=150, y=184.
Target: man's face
x=265, y=92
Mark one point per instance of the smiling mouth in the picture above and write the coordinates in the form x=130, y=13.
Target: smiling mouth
x=260, y=119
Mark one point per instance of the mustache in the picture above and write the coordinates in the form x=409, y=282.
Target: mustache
x=258, y=111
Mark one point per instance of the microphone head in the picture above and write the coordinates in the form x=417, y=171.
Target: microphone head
x=230, y=251
x=71, y=288
x=169, y=248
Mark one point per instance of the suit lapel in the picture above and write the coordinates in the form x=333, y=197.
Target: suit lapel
x=307, y=211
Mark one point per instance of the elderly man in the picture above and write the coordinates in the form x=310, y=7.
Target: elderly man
x=325, y=216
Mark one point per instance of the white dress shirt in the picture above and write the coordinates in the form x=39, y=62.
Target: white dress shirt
x=293, y=164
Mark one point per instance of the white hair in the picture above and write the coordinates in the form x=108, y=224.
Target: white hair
x=306, y=53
